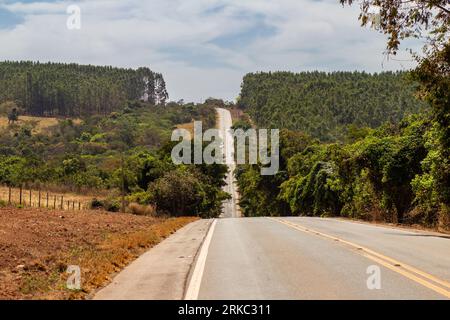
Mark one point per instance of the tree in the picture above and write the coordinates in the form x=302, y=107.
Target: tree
x=13, y=116
x=405, y=19
x=184, y=192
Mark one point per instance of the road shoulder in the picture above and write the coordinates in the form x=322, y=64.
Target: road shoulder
x=162, y=272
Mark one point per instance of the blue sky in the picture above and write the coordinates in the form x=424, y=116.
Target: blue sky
x=203, y=47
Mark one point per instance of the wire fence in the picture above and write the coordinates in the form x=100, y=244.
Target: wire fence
x=25, y=197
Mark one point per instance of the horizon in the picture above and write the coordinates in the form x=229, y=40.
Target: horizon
x=185, y=101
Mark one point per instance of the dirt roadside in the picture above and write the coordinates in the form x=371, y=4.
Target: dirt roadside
x=36, y=246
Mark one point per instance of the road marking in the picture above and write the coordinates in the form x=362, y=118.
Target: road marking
x=193, y=288
x=418, y=276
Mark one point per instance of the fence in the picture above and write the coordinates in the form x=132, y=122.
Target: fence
x=43, y=199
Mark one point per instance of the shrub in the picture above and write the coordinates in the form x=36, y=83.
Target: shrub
x=184, y=193
x=112, y=205
x=96, y=204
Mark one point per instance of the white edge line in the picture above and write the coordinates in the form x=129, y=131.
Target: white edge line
x=197, y=275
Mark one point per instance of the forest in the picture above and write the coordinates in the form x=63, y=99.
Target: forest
x=323, y=104
x=72, y=90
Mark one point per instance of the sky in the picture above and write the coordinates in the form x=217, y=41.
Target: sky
x=202, y=47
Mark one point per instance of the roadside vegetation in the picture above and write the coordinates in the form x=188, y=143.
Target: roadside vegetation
x=352, y=151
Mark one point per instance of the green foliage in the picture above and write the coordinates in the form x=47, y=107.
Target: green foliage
x=14, y=171
x=315, y=194
x=383, y=176
x=258, y=194
x=434, y=186
x=323, y=104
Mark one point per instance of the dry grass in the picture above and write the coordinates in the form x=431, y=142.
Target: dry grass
x=187, y=126
x=39, y=124
x=39, y=245
x=141, y=210
x=84, y=200
x=116, y=252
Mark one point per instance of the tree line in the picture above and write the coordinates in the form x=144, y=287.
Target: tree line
x=73, y=90
x=323, y=104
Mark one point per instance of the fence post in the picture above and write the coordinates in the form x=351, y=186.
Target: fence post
x=73, y=205
x=47, y=200
x=9, y=195
x=54, y=202
x=79, y=205
x=62, y=202
x=68, y=204
x=30, y=198
x=39, y=201
x=20, y=196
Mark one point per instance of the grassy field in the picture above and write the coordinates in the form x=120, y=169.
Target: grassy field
x=39, y=124
x=39, y=245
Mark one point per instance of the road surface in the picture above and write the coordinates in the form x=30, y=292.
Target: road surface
x=230, y=207
x=312, y=258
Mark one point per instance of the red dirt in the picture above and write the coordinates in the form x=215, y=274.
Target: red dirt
x=35, y=243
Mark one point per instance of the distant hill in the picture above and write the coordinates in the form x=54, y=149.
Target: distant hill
x=323, y=104
x=55, y=89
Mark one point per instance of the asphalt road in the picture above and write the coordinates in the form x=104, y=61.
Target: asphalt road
x=230, y=207
x=310, y=258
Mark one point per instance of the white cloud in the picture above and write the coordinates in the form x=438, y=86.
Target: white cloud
x=183, y=39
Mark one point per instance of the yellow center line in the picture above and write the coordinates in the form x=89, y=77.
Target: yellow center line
x=410, y=272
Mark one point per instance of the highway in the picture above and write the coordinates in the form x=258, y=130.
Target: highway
x=233, y=258
x=230, y=207
x=312, y=258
